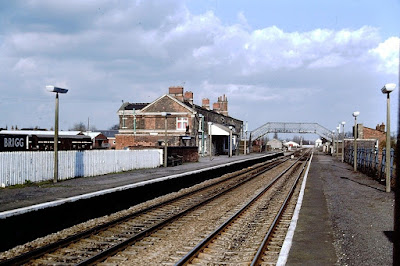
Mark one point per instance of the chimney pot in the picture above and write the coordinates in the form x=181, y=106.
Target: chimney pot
x=188, y=97
x=216, y=107
x=205, y=103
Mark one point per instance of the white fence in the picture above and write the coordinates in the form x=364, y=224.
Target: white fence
x=21, y=167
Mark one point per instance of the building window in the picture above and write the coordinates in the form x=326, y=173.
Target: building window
x=181, y=123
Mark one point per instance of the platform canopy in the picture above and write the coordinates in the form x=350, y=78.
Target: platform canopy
x=283, y=127
x=219, y=130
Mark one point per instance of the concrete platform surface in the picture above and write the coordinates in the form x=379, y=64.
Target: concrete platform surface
x=14, y=198
x=346, y=218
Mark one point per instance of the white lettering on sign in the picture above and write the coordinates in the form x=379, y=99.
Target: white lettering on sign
x=13, y=142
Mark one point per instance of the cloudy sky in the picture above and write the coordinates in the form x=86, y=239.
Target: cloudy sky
x=276, y=60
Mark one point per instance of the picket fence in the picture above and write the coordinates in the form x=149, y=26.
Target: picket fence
x=36, y=166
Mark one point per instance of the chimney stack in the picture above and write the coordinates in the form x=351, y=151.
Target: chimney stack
x=176, y=92
x=382, y=127
x=223, y=105
x=188, y=97
x=205, y=103
x=216, y=107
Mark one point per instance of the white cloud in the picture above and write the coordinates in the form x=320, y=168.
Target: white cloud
x=388, y=55
x=112, y=50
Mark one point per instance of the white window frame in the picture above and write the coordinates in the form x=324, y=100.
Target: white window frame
x=184, y=122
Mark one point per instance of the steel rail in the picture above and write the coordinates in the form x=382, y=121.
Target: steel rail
x=199, y=247
x=36, y=253
x=120, y=246
x=258, y=256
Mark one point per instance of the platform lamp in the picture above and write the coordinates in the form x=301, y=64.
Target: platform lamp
x=343, y=123
x=210, y=135
x=230, y=141
x=355, y=114
x=57, y=90
x=202, y=134
x=387, y=89
x=333, y=142
x=245, y=138
x=337, y=141
x=165, y=114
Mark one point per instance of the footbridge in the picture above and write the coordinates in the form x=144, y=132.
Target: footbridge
x=281, y=127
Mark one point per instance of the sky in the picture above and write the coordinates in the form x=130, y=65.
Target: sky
x=275, y=60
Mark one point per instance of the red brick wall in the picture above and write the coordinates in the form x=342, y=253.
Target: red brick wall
x=370, y=133
x=190, y=154
x=131, y=140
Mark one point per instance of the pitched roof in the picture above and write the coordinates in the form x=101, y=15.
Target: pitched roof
x=173, y=99
x=198, y=107
x=109, y=133
x=131, y=106
x=39, y=132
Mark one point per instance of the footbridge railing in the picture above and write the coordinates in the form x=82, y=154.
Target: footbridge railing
x=282, y=127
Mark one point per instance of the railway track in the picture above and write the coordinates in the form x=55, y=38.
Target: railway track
x=247, y=226
x=97, y=243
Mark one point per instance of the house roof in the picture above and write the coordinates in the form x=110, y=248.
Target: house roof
x=131, y=106
x=39, y=132
x=291, y=143
x=198, y=107
x=173, y=99
x=274, y=140
x=109, y=133
x=93, y=135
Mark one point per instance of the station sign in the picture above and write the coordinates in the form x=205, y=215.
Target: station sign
x=13, y=142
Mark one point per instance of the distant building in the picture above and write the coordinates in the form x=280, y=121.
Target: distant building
x=99, y=140
x=291, y=144
x=32, y=140
x=143, y=124
x=110, y=134
x=368, y=137
x=318, y=143
x=274, y=144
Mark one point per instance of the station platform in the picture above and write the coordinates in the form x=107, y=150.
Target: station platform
x=78, y=200
x=22, y=197
x=346, y=218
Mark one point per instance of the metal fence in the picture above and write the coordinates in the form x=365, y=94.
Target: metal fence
x=22, y=167
x=370, y=161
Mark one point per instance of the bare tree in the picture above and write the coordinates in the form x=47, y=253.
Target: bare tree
x=79, y=127
x=114, y=127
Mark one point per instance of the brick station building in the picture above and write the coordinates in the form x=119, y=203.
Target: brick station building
x=142, y=125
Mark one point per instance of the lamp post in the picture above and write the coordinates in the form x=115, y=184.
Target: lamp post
x=337, y=141
x=202, y=134
x=355, y=114
x=245, y=138
x=165, y=114
x=57, y=90
x=230, y=141
x=343, y=123
x=134, y=121
x=210, y=135
x=387, y=89
x=333, y=142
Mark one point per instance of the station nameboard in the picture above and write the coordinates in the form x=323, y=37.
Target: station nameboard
x=13, y=142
